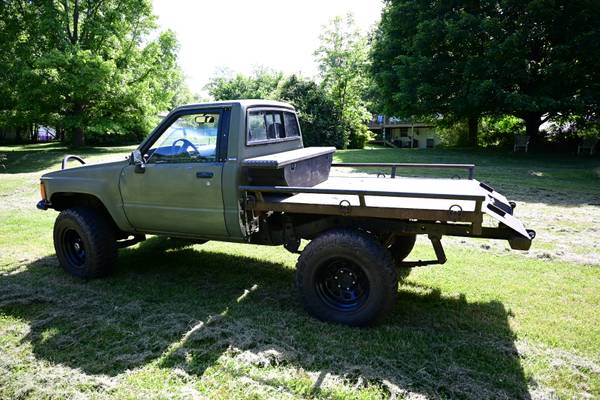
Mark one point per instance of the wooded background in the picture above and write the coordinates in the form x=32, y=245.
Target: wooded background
x=482, y=71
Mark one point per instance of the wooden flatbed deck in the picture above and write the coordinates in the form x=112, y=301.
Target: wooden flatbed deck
x=400, y=198
x=425, y=199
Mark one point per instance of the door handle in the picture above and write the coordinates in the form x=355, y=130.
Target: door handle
x=204, y=174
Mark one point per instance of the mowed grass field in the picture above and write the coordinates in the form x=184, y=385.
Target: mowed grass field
x=223, y=320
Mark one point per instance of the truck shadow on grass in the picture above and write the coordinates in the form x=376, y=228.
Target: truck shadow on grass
x=193, y=309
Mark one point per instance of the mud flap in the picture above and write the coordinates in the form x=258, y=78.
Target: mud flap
x=520, y=243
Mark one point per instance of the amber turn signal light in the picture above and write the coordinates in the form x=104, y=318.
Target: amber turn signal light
x=43, y=190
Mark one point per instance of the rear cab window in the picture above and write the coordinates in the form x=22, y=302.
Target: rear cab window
x=266, y=125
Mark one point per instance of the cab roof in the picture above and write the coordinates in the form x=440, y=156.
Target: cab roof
x=244, y=103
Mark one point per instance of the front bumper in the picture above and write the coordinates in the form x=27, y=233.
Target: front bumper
x=43, y=205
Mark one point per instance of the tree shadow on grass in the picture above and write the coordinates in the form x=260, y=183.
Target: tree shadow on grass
x=186, y=308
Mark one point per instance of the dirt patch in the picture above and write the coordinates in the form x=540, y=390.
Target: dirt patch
x=559, y=359
x=567, y=225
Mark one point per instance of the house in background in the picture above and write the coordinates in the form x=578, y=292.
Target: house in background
x=46, y=134
x=29, y=134
x=397, y=132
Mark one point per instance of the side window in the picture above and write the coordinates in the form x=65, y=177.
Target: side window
x=291, y=125
x=257, y=126
x=190, y=138
x=271, y=125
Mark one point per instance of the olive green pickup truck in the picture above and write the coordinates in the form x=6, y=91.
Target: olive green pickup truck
x=237, y=171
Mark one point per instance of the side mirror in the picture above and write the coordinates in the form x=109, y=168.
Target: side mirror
x=138, y=161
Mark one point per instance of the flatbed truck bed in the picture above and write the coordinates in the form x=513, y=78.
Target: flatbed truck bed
x=448, y=203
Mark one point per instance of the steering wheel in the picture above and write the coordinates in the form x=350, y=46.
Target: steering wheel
x=184, y=145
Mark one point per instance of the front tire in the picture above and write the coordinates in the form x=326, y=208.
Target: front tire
x=348, y=277
x=85, y=242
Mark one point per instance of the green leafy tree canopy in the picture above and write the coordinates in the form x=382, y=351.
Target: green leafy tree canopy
x=87, y=66
x=262, y=84
x=534, y=59
x=343, y=64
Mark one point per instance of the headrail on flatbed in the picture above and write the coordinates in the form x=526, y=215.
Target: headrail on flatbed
x=394, y=166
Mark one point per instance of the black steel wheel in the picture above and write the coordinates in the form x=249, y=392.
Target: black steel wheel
x=342, y=284
x=85, y=242
x=347, y=276
x=74, y=248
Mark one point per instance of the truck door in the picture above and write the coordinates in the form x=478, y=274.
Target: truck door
x=179, y=189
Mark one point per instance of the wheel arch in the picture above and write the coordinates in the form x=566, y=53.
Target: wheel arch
x=65, y=200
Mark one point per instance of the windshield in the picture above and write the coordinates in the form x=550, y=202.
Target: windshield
x=190, y=138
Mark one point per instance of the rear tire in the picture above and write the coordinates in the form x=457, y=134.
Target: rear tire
x=85, y=242
x=348, y=277
x=400, y=248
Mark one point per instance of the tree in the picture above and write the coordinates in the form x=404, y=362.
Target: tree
x=500, y=130
x=15, y=55
x=332, y=112
x=533, y=59
x=88, y=66
x=343, y=64
x=316, y=111
x=429, y=58
x=262, y=84
x=549, y=51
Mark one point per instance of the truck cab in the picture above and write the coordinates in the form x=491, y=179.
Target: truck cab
x=173, y=183
x=187, y=180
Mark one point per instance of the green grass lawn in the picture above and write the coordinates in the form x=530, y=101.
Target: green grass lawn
x=223, y=320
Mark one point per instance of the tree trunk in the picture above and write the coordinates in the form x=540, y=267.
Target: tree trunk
x=33, y=133
x=77, y=139
x=473, y=122
x=77, y=134
x=533, y=120
x=18, y=138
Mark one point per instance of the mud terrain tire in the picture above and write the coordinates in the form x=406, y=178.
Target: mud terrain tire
x=348, y=277
x=85, y=242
